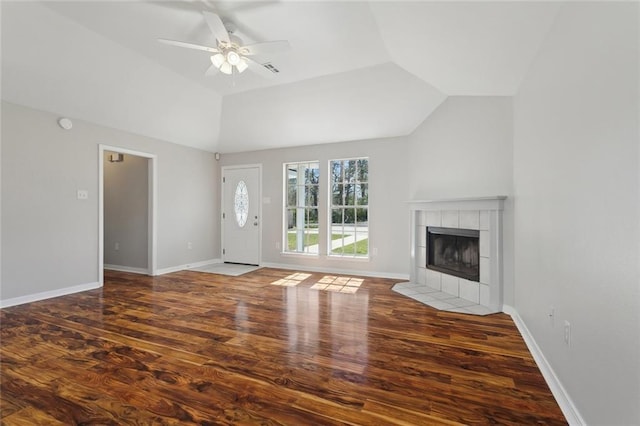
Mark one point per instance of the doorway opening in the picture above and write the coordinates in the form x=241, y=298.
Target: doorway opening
x=127, y=206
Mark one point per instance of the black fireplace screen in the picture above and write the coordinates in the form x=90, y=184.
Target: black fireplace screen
x=454, y=251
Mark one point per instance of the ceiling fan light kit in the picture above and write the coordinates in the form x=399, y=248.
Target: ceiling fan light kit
x=233, y=58
x=217, y=60
x=225, y=63
x=226, y=68
x=242, y=65
x=230, y=54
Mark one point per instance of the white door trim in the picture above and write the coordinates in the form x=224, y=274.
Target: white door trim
x=152, y=209
x=242, y=166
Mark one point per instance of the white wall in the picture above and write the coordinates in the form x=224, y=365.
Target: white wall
x=577, y=207
x=50, y=239
x=465, y=149
x=126, y=211
x=140, y=97
x=476, y=132
x=388, y=208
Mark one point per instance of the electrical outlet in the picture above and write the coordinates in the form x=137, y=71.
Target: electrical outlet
x=116, y=246
x=567, y=333
x=277, y=245
x=374, y=251
x=189, y=245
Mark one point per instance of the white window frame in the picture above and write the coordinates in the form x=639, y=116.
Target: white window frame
x=301, y=249
x=330, y=208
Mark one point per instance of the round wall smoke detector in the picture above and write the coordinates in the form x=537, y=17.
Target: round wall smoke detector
x=65, y=123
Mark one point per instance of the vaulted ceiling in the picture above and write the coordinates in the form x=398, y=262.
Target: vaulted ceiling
x=356, y=70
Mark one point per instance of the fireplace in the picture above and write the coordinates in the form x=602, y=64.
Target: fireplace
x=477, y=277
x=454, y=251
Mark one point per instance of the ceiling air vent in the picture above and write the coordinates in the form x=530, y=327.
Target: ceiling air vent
x=271, y=68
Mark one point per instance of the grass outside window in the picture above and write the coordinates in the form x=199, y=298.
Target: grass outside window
x=359, y=248
x=309, y=239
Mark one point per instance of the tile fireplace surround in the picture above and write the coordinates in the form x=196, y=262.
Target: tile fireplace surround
x=447, y=292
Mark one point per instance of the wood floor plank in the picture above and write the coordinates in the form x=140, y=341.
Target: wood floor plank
x=31, y=416
x=200, y=348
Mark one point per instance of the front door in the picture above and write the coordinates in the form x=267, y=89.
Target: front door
x=241, y=215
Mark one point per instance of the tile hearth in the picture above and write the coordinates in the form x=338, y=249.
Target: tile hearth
x=439, y=299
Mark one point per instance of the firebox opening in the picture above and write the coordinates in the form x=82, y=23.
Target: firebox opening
x=454, y=251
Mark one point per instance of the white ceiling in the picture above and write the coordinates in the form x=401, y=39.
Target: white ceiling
x=356, y=70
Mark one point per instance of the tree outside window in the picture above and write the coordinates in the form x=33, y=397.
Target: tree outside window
x=349, y=207
x=301, y=207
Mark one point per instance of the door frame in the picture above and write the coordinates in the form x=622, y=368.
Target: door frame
x=222, y=212
x=152, y=208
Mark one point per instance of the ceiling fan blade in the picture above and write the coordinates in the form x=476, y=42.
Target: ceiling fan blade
x=266, y=48
x=188, y=45
x=258, y=68
x=217, y=27
x=213, y=70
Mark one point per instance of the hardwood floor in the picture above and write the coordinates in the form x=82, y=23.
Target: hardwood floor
x=201, y=348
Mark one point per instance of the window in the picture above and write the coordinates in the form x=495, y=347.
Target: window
x=349, y=207
x=301, y=207
x=241, y=203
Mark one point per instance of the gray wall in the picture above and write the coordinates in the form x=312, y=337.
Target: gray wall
x=50, y=238
x=126, y=211
x=388, y=208
x=465, y=149
x=577, y=206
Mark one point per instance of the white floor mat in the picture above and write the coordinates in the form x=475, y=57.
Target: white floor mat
x=226, y=269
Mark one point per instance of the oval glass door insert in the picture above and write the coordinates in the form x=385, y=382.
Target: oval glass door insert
x=241, y=203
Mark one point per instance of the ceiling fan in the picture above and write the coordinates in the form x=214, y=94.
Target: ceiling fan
x=229, y=54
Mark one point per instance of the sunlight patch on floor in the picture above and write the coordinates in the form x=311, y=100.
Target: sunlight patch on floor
x=291, y=280
x=338, y=284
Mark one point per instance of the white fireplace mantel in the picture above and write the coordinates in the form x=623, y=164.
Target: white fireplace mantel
x=469, y=203
x=479, y=213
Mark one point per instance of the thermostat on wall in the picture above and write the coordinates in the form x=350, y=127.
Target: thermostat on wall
x=65, y=123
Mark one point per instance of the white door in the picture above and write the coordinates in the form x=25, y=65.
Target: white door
x=241, y=215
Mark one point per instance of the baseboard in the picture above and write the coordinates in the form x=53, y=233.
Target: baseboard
x=48, y=294
x=327, y=270
x=187, y=266
x=565, y=402
x=131, y=269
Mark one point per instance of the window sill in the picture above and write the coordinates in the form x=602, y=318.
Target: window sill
x=331, y=257
x=349, y=258
x=292, y=254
